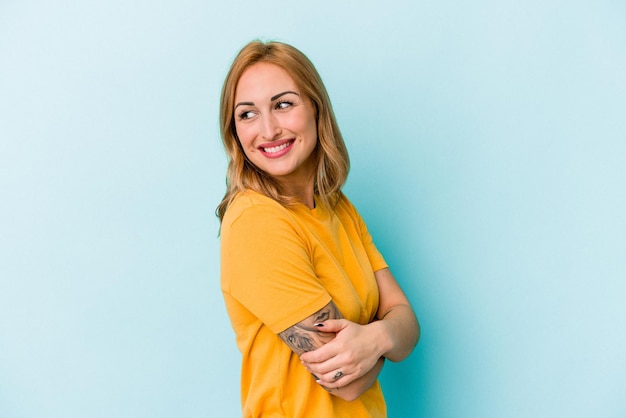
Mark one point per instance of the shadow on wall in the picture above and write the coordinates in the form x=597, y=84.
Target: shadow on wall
x=406, y=384
x=392, y=193
x=395, y=232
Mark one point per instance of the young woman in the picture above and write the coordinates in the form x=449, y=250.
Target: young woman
x=312, y=302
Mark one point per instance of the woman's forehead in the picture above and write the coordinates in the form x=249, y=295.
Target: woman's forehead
x=263, y=80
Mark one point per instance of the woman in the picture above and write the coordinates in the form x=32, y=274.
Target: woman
x=313, y=305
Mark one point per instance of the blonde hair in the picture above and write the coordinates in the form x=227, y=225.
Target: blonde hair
x=332, y=158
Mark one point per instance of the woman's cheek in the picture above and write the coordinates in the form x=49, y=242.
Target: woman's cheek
x=243, y=135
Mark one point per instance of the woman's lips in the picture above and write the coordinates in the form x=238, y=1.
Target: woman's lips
x=277, y=149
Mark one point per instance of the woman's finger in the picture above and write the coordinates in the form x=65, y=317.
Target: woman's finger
x=332, y=383
x=336, y=378
x=325, y=368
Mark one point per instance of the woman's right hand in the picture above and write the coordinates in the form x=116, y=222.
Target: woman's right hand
x=355, y=350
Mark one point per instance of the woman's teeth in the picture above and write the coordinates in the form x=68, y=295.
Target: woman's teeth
x=272, y=150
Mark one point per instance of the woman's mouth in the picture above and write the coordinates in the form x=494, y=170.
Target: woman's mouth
x=276, y=150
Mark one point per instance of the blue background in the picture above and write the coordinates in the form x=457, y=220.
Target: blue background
x=488, y=145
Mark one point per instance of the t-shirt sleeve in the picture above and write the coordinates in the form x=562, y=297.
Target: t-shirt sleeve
x=375, y=257
x=266, y=267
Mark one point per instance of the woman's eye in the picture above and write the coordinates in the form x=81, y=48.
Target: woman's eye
x=245, y=115
x=283, y=104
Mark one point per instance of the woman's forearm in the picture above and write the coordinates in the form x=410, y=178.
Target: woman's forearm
x=402, y=332
x=357, y=387
x=397, y=324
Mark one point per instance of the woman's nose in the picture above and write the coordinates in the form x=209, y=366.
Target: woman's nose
x=270, y=128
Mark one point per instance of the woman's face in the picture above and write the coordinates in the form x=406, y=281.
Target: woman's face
x=276, y=124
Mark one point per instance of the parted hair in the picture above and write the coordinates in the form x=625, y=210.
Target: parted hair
x=331, y=154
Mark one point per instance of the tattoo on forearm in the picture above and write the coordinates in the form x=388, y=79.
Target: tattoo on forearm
x=304, y=336
x=300, y=340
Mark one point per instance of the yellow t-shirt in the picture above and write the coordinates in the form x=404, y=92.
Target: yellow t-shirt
x=279, y=266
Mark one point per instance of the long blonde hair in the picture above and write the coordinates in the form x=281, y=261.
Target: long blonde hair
x=332, y=158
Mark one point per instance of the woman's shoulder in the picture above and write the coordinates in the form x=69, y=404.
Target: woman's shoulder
x=250, y=203
x=249, y=197
x=345, y=206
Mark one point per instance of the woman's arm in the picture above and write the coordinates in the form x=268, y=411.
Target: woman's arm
x=396, y=316
x=356, y=348
x=306, y=336
x=354, y=389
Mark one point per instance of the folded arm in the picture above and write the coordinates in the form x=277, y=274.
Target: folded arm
x=307, y=336
x=356, y=348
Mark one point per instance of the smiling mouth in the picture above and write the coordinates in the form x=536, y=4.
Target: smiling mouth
x=278, y=148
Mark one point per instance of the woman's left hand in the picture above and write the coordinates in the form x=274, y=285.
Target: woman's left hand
x=353, y=352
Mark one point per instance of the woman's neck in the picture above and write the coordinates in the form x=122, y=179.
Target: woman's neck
x=304, y=191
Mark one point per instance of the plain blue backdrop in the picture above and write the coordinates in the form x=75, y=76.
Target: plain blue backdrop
x=488, y=145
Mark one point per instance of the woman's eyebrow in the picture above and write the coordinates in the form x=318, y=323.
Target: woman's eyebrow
x=282, y=94
x=244, y=104
x=271, y=98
